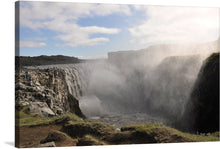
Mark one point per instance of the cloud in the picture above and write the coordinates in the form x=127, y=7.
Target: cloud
x=81, y=36
x=31, y=44
x=62, y=18
x=176, y=24
x=36, y=39
x=94, y=57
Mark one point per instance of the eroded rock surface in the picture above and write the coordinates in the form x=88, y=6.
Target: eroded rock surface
x=45, y=92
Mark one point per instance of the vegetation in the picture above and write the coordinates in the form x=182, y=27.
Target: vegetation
x=61, y=139
x=80, y=129
x=89, y=140
x=44, y=60
x=157, y=131
x=214, y=58
x=23, y=118
x=74, y=131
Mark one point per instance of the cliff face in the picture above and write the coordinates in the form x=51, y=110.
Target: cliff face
x=45, y=92
x=202, y=110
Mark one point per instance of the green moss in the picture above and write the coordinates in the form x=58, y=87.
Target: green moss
x=56, y=136
x=214, y=58
x=161, y=131
x=24, y=119
x=199, y=137
x=93, y=132
x=73, y=117
x=90, y=140
x=80, y=129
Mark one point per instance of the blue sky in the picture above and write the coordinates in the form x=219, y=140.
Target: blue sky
x=93, y=30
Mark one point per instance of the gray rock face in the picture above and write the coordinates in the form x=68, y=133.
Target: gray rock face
x=41, y=108
x=47, y=94
x=32, y=89
x=58, y=110
x=22, y=102
x=20, y=86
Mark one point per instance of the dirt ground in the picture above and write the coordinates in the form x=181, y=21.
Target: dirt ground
x=31, y=136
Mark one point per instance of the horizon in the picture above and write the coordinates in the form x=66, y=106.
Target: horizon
x=90, y=31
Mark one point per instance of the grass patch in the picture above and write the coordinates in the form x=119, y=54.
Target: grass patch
x=23, y=118
x=80, y=129
x=92, y=131
x=200, y=137
x=167, y=133
x=89, y=140
x=214, y=58
x=57, y=136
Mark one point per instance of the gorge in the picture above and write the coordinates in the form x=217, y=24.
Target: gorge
x=152, y=85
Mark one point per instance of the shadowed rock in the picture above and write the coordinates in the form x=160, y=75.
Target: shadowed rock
x=202, y=109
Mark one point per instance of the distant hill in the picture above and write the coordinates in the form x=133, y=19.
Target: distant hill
x=21, y=61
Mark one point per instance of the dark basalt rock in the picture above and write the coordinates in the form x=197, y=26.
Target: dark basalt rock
x=74, y=106
x=202, y=110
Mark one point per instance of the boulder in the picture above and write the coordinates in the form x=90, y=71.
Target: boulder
x=40, y=88
x=32, y=89
x=41, y=108
x=58, y=110
x=20, y=86
x=22, y=102
x=49, y=100
x=37, y=83
x=39, y=95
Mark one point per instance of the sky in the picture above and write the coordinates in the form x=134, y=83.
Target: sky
x=92, y=30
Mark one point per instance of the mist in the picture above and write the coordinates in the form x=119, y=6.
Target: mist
x=157, y=80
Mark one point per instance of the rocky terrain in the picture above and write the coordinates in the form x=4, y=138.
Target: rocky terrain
x=45, y=93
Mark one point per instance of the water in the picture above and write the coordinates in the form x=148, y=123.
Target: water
x=90, y=104
x=118, y=97
x=119, y=120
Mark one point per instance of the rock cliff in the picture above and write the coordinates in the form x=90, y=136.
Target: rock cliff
x=45, y=92
x=202, y=110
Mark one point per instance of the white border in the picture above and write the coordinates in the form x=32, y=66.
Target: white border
x=7, y=70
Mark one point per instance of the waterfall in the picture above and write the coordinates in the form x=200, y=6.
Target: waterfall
x=73, y=81
x=157, y=81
